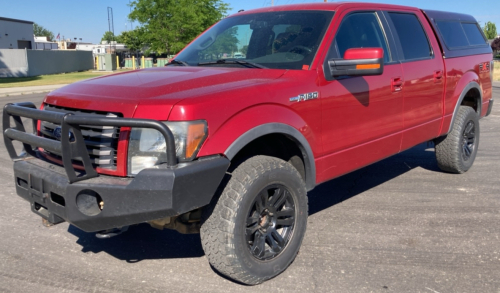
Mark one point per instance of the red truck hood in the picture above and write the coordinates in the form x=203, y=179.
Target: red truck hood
x=155, y=90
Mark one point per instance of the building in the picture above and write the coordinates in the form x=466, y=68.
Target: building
x=41, y=43
x=68, y=44
x=16, y=34
x=105, y=47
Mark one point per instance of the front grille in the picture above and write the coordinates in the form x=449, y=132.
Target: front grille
x=101, y=141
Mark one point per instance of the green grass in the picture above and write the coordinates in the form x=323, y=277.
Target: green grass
x=496, y=73
x=64, y=78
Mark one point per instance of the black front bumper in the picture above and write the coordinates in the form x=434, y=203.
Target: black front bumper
x=153, y=194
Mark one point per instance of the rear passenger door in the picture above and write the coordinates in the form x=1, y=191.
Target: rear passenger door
x=423, y=74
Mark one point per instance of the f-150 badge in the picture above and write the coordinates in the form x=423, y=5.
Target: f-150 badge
x=305, y=97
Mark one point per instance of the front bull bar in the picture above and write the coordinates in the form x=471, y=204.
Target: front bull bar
x=68, y=149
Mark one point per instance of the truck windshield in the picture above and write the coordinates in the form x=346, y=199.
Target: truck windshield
x=280, y=40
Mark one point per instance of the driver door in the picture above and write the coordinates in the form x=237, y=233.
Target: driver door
x=361, y=116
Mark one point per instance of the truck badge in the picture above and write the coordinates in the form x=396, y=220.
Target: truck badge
x=305, y=97
x=58, y=134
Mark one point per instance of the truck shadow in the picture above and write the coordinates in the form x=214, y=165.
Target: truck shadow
x=340, y=189
x=142, y=242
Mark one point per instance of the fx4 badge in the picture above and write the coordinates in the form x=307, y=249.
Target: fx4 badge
x=305, y=97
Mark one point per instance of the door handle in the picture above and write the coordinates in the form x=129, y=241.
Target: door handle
x=438, y=75
x=396, y=84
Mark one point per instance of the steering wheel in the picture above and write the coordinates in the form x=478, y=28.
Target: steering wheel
x=303, y=50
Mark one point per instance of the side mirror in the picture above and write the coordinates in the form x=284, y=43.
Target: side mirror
x=358, y=62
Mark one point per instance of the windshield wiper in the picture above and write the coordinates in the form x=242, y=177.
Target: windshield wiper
x=177, y=62
x=241, y=62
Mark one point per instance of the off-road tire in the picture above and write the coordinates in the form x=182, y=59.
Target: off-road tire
x=224, y=224
x=450, y=148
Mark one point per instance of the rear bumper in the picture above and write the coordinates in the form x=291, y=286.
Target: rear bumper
x=154, y=193
x=490, y=106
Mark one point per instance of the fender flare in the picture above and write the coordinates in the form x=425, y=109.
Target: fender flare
x=467, y=88
x=270, y=128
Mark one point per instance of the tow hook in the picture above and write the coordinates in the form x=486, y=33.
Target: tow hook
x=106, y=234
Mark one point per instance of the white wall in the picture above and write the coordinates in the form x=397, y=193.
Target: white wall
x=15, y=31
x=18, y=63
x=13, y=63
x=58, y=61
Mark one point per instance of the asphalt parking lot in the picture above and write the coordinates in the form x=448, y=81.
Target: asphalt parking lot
x=400, y=225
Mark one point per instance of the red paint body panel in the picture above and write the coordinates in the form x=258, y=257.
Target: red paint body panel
x=354, y=122
x=459, y=73
x=359, y=110
x=360, y=114
x=354, y=158
x=423, y=94
x=253, y=106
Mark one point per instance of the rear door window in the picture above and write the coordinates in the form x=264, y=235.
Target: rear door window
x=414, y=42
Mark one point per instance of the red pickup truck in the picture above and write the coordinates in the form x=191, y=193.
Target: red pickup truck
x=229, y=145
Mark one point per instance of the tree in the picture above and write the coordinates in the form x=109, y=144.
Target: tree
x=133, y=39
x=168, y=25
x=40, y=31
x=244, y=50
x=495, y=46
x=490, y=30
x=227, y=42
x=108, y=37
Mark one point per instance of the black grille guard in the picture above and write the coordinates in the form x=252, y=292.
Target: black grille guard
x=69, y=150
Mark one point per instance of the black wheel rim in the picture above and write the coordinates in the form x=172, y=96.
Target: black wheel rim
x=270, y=222
x=468, y=140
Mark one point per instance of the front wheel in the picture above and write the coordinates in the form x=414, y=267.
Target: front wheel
x=456, y=152
x=257, y=225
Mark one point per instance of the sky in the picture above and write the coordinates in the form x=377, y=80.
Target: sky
x=88, y=19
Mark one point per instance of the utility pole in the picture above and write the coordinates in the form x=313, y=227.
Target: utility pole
x=272, y=2
x=111, y=27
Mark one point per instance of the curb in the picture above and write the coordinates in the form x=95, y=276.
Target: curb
x=17, y=91
x=24, y=93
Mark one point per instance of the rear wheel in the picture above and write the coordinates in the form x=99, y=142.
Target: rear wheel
x=457, y=151
x=256, y=227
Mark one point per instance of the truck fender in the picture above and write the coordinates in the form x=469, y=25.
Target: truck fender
x=252, y=123
x=288, y=130
x=469, y=86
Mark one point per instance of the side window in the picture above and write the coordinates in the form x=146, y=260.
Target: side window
x=473, y=34
x=361, y=30
x=411, y=34
x=460, y=34
x=453, y=34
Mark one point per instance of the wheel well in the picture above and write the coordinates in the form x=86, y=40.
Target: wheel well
x=472, y=99
x=276, y=145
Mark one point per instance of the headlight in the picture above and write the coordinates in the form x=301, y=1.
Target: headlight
x=147, y=147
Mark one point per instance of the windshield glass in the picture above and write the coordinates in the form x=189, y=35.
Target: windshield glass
x=285, y=39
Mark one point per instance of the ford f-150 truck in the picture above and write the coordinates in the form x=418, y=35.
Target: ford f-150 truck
x=229, y=147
